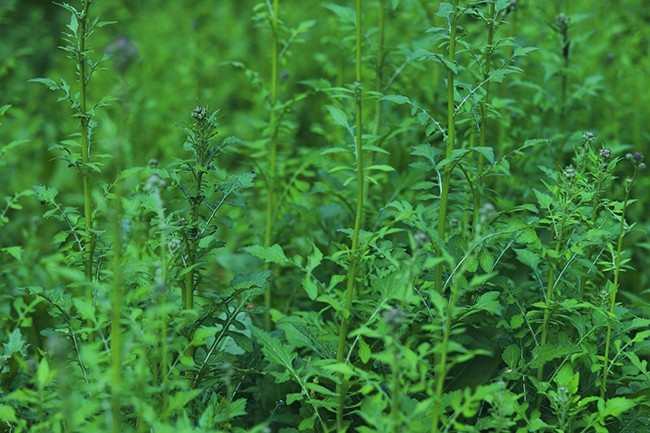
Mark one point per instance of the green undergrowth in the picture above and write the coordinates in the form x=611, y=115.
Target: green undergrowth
x=432, y=219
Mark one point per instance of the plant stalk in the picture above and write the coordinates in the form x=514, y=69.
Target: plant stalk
x=116, y=330
x=617, y=271
x=489, y=48
x=273, y=152
x=451, y=139
x=354, y=251
x=89, y=244
x=441, y=364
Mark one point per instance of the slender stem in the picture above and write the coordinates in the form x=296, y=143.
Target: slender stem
x=116, y=330
x=441, y=364
x=395, y=400
x=193, y=243
x=617, y=271
x=489, y=49
x=89, y=245
x=379, y=67
x=354, y=253
x=273, y=150
x=451, y=138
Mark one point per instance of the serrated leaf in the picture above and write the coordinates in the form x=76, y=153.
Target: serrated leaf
x=545, y=200
x=397, y=99
x=548, y=352
x=274, y=350
x=528, y=257
x=616, y=406
x=15, y=343
x=48, y=82
x=338, y=116
x=202, y=334
x=272, y=254
x=511, y=356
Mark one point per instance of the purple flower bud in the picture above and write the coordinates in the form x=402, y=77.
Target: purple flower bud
x=569, y=173
x=605, y=154
x=200, y=113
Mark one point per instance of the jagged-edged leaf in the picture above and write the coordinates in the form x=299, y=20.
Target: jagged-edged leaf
x=272, y=254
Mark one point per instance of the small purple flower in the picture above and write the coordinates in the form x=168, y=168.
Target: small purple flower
x=638, y=156
x=394, y=317
x=122, y=52
x=421, y=238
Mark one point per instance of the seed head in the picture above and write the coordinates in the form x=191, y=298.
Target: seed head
x=569, y=173
x=421, y=238
x=588, y=137
x=605, y=154
x=200, y=114
x=562, y=22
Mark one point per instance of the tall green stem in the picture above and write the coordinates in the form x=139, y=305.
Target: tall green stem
x=549, y=298
x=617, y=271
x=193, y=243
x=489, y=49
x=84, y=117
x=451, y=138
x=273, y=149
x=116, y=329
x=354, y=251
x=441, y=364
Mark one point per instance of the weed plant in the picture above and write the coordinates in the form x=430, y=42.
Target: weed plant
x=434, y=221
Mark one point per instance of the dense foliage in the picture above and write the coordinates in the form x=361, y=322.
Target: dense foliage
x=432, y=219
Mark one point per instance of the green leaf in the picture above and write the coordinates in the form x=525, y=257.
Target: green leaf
x=616, y=406
x=310, y=287
x=445, y=10
x=202, y=334
x=15, y=343
x=15, y=252
x=274, y=350
x=545, y=200
x=380, y=167
x=7, y=414
x=364, y=350
x=48, y=82
x=338, y=116
x=527, y=257
x=273, y=254
x=314, y=259
x=511, y=356
x=543, y=354
x=488, y=302
x=397, y=99
x=43, y=373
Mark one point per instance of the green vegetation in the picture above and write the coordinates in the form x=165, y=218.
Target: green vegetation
x=432, y=219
